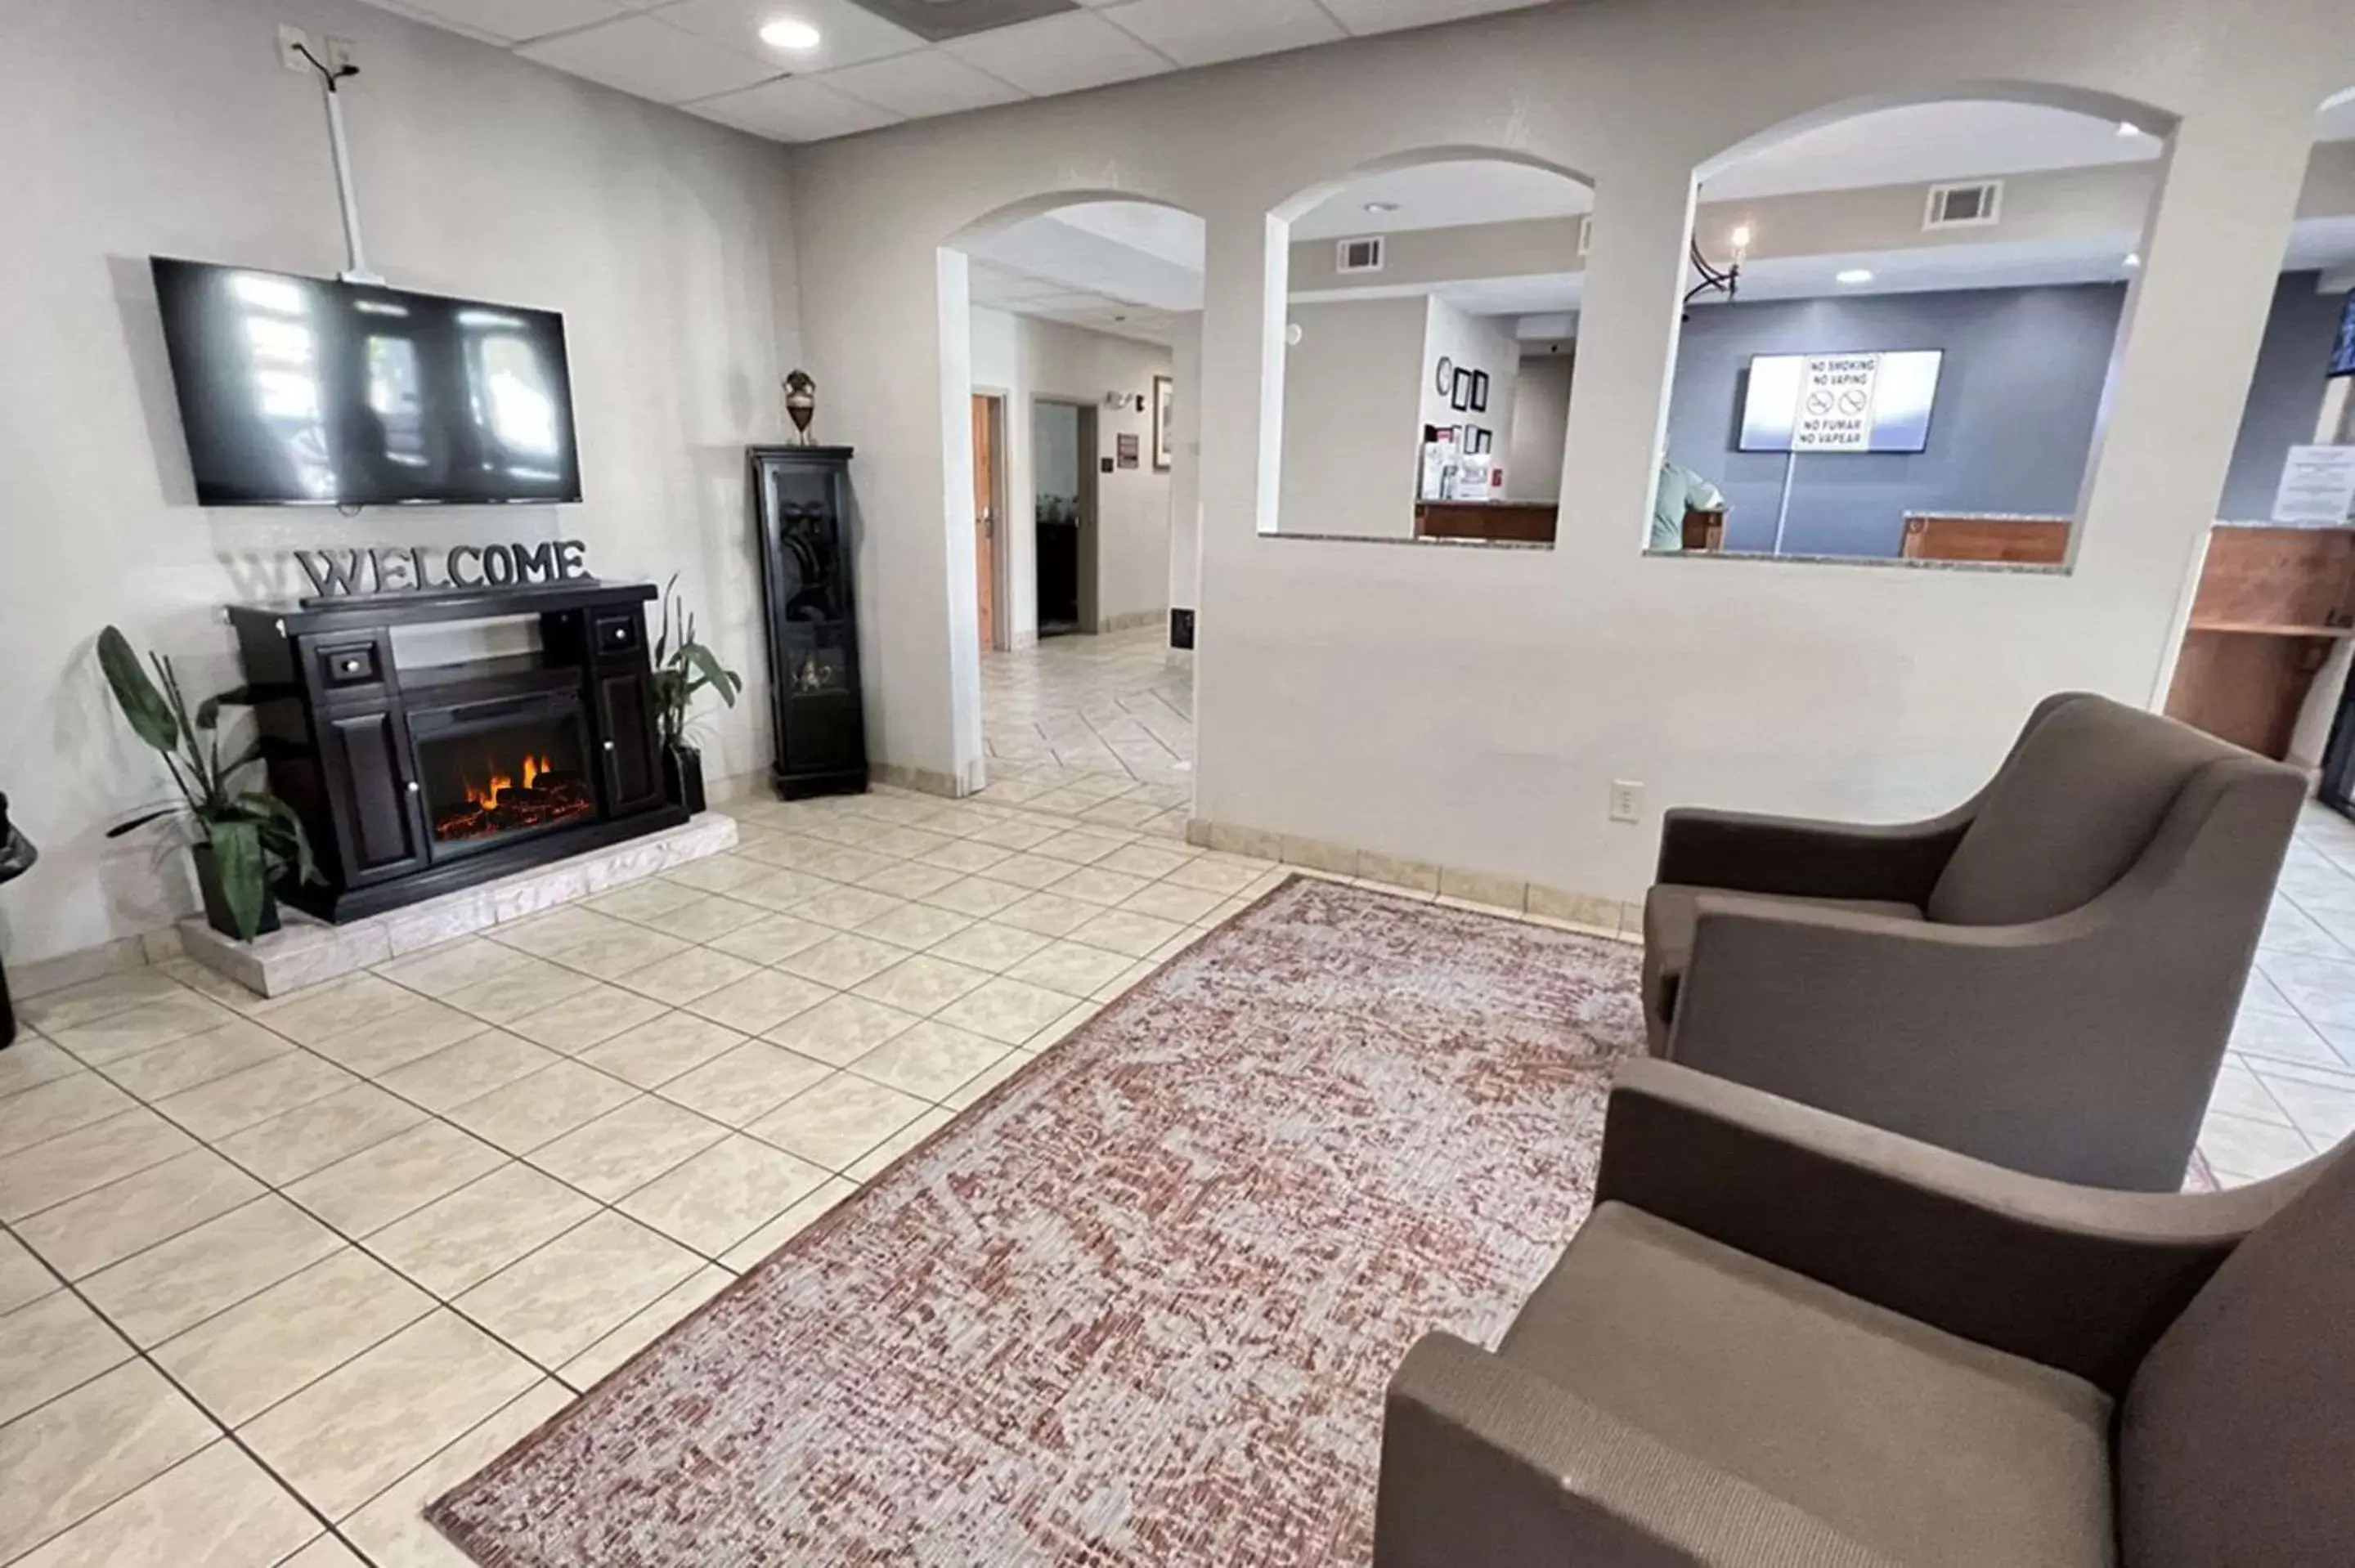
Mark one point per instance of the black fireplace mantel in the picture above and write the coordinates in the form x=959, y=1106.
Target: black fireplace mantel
x=352, y=737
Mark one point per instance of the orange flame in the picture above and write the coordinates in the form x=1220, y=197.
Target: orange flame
x=487, y=795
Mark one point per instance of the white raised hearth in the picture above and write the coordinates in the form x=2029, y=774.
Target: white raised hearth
x=309, y=951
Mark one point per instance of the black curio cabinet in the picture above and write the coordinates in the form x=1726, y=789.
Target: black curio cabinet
x=801, y=506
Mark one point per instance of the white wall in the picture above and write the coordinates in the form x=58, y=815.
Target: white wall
x=1472, y=706
x=1186, y=468
x=1540, y=418
x=1353, y=418
x=156, y=126
x=1024, y=358
x=1481, y=343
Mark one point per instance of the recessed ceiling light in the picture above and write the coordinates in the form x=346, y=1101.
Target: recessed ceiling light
x=1382, y=206
x=1854, y=275
x=2128, y=128
x=2134, y=259
x=789, y=33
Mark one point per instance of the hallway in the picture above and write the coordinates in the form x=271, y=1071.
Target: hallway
x=1101, y=728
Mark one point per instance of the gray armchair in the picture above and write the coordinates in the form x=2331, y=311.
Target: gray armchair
x=1786, y=1340
x=2044, y=977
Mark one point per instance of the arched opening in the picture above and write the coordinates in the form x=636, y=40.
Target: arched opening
x=1075, y=315
x=1901, y=324
x=1424, y=349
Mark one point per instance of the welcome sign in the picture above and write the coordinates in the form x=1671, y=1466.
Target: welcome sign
x=422, y=568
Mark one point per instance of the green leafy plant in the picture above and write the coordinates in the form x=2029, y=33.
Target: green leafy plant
x=253, y=833
x=683, y=670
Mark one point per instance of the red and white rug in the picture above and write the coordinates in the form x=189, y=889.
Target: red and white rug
x=1139, y=1306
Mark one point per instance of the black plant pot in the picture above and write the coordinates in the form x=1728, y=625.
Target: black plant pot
x=218, y=913
x=683, y=776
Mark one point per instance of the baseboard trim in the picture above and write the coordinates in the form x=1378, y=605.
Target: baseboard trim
x=923, y=780
x=1131, y=620
x=1590, y=912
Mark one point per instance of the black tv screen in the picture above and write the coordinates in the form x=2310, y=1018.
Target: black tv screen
x=304, y=391
x=2342, y=351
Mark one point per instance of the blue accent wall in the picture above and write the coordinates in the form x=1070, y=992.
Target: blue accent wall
x=2292, y=364
x=2010, y=431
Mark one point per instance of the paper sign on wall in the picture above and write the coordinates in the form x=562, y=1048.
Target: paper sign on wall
x=1834, y=411
x=2318, y=486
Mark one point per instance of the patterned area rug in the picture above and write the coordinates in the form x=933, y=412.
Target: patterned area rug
x=1139, y=1306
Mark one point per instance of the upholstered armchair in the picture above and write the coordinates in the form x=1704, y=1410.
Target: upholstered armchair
x=2044, y=977
x=1788, y=1339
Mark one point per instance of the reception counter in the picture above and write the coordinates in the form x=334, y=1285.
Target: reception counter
x=1523, y=522
x=2271, y=604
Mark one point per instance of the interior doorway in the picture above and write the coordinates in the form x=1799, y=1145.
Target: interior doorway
x=1063, y=477
x=989, y=511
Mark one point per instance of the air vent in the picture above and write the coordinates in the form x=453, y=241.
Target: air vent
x=1358, y=255
x=1973, y=205
x=1585, y=232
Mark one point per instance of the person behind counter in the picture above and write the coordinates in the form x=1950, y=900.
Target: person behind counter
x=1680, y=490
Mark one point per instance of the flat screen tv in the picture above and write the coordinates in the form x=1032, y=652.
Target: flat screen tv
x=307, y=392
x=2342, y=352
x=1860, y=402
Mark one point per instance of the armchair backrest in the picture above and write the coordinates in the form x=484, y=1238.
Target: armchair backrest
x=2236, y=1441
x=2073, y=807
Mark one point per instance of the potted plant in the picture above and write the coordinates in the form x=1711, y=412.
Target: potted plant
x=243, y=838
x=683, y=668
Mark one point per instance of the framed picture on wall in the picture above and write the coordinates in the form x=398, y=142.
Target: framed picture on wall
x=1459, y=397
x=1479, y=391
x=1165, y=419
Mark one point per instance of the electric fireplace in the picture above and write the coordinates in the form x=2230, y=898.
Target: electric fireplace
x=418, y=778
x=496, y=770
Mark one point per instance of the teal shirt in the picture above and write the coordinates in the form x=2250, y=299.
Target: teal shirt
x=1681, y=490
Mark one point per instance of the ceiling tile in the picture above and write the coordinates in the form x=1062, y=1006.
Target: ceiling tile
x=1060, y=54
x=1204, y=32
x=929, y=81
x=641, y=55
x=847, y=34
x=1388, y=15
x=512, y=21
x=795, y=109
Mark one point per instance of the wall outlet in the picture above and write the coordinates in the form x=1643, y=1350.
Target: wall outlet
x=292, y=42
x=1626, y=800
x=339, y=55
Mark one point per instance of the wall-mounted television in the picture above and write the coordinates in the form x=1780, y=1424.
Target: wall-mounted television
x=2342, y=352
x=304, y=391
x=1859, y=402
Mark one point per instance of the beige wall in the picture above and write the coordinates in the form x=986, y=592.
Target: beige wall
x=1541, y=416
x=136, y=127
x=1352, y=413
x=1028, y=358
x=1472, y=707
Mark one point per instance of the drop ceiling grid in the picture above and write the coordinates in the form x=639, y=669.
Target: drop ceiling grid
x=703, y=55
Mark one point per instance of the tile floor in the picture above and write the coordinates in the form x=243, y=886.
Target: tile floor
x=274, y=1274
x=1111, y=706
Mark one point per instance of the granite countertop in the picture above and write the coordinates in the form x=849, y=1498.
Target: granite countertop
x=1411, y=539
x=2028, y=569
x=1952, y=515
x=1522, y=505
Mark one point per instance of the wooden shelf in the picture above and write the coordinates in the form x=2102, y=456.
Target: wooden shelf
x=2268, y=628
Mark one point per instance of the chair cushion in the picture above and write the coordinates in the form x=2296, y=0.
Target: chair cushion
x=1669, y=919
x=1924, y=1447
x=2236, y=1444
x=2070, y=810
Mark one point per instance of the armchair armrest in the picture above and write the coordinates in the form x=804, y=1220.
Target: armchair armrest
x=1484, y=1463
x=1742, y=853
x=2073, y=1277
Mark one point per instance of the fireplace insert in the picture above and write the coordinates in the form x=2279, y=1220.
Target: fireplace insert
x=491, y=772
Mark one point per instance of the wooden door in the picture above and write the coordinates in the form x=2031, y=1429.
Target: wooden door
x=984, y=515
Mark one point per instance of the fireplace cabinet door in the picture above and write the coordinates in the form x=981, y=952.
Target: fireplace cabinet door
x=626, y=733
x=376, y=823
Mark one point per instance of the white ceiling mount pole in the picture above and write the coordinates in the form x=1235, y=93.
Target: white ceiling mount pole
x=356, y=247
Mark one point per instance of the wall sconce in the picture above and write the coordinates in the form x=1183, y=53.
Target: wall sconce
x=1126, y=402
